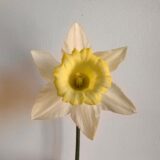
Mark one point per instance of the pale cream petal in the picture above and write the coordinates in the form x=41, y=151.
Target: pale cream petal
x=76, y=38
x=45, y=63
x=48, y=105
x=113, y=57
x=116, y=101
x=86, y=118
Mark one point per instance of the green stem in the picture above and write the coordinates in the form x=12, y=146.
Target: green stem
x=77, y=151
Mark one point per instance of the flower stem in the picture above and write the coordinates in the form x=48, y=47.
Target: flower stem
x=77, y=143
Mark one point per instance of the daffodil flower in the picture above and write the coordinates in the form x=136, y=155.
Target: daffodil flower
x=81, y=84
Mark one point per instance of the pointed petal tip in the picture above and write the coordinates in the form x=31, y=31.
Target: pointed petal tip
x=76, y=24
x=76, y=38
x=86, y=118
x=90, y=136
x=116, y=101
x=76, y=27
x=134, y=110
x=32, y=52
x=122, y=49
x=113, y=57
x=125, y=47
x=33, y=116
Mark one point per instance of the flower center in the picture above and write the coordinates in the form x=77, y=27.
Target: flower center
x=79, y=81
x=82, y=77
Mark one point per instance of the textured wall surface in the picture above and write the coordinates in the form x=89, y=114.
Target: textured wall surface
x=39, y=24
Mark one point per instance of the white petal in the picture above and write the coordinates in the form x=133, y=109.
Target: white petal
x=86, y=118
x=45, y=63
x=48, y=105
x=76, y=39
x=113, y=57
x=115, y=101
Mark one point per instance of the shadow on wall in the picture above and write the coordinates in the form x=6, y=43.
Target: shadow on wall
x=18, y=90
x=20, y=137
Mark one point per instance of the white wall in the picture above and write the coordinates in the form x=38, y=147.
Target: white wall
x=43, y=24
